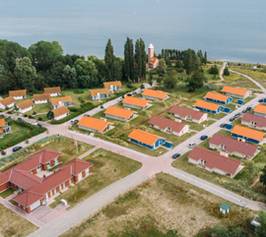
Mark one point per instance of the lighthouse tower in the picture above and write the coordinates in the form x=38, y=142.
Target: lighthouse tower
x=151, y=52
x=153, y=62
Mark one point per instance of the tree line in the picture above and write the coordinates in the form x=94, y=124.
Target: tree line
x=44, y=64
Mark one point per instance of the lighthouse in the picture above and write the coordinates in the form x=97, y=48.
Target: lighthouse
x=153, y=62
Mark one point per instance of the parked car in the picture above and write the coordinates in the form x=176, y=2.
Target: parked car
x=176, y=155
x=203, y=137
x=3, y=153
x=261, y=100
x=249, y=108
x=129, y=94
x=102, y=107
x=16, y=148
x=232, y=119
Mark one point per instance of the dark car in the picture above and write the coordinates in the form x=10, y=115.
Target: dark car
x=261, y=100
x=249, y=108
x=129, y=95
x=203, y=137
x=232, y=119
x=176, y=155
x=3, y=153
x=16, y=148
x=102, y=107
x=222, y=125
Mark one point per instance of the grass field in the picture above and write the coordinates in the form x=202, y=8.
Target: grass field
x=107, y=168
x=20, y=132
x=162, y=207
x=13, y=225
x=245, y=183
x=68, y=149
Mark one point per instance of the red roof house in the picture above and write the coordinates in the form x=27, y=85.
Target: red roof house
x=254, y=121
x=37, y=183
x=214, y=162
x=230, y=146
x=168, y=125
x=188, y=114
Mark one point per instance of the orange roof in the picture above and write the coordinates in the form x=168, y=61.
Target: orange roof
x=119, y=112
x=213, y=95
x=55, y=101
x=37, y=97
x=143, y=137
x=2, y=122
x=135, y=101
x=7, y=101
x=94, y=92
x=155, y=93
x=60, y=111
x=207, y=105
x=24, y=104
x=248, y=132
x=235, y=90
x=94, y=123
x=112, y=83
x=15, y=93
x=51, y=90
x=260, y=109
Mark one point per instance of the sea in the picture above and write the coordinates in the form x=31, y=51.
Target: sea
x=232, y=30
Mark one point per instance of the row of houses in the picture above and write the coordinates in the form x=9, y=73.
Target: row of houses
x=41, y=178
x=108, y=89
x=215, y=102
x=243, y=143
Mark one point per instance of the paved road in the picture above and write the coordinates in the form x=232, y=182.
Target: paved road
x=221, y=72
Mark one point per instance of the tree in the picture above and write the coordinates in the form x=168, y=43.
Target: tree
x=140, y=60
x=263, y=176
x=213, y=70
x=45, y=54
x=25, y=73
x=129, y=62
x=170, y=80
x=196, y=81
x=162, y=67
x=261, y=230
x=50, y=115
x=109, y=59
x=70, y=77
x=226, y=72
x=191, y=61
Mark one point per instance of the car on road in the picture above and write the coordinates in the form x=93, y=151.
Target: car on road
x=16, y=148
x=203, y=137
x=222, y=125
x=191, y=145
x=3, y=153
x=175, y=156
x=232, y=119
x=102, y=107
x=129, y=94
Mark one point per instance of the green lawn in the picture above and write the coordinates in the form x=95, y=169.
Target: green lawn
x=68, y=148
x=20, y=132
x=162, y=207
x=107, y=168
x=245, y=183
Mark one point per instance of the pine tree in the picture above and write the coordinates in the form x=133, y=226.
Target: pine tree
x=109, y=60
x=129, y=62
